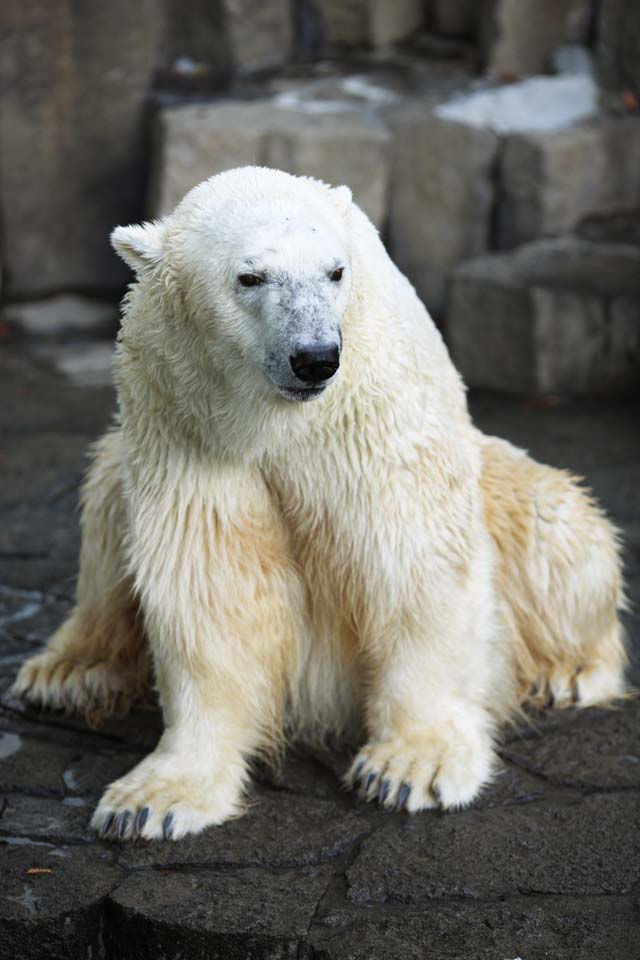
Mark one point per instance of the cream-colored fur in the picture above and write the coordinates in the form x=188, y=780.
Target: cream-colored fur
x=366, y=564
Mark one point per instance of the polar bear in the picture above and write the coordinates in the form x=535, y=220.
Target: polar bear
x=296, y=530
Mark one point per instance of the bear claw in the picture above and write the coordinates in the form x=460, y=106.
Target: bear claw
x=371, y=776
x=384, y=791
x=141, y=818
x=403, y=795
x=358, y=771
x=167, y=826
x=106, y=826
x=122, y=822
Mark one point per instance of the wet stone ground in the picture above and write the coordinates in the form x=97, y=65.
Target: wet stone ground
x=545, y=865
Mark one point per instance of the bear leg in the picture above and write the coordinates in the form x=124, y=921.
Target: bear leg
x=97, y=663
x=559, y=573
x=219, y=595
x=440, y=685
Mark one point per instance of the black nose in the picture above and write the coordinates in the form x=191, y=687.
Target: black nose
x=315, y=364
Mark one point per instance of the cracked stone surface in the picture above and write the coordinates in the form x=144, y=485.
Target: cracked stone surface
x=546, y=864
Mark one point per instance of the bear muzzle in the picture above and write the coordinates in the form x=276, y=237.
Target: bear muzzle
x=315, y=365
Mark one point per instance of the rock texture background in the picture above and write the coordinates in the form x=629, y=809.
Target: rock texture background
x=464, y=129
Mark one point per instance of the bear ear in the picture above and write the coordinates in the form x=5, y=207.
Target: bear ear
x=343, y=198
x=141, y=246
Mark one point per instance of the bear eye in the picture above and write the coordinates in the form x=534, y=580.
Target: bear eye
x=250, y=280
x=336, y=275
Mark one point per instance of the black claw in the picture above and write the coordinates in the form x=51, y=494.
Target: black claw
x=437, y=796
x=358, y=770
x=167, y=826
x=106, y=826
x=403, y=795
x=141, y=818
x=384, y=790
x=122, y=822
x=368, y=781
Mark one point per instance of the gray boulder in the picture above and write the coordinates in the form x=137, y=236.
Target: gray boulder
x=72, y=137
x=558, y=315
x=552, y=180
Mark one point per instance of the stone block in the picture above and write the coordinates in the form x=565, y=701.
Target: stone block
x=618, y=46
x=441, y=197
x=550, y=181
x=445, y=165
x=251, y=913
x=75, y=80
x=338, y=146
x=51, y=899
x=518, y=37
x=259, y=32
x=367, y=23
x=555, y=316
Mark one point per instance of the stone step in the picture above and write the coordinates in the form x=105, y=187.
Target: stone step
x=501, y=166
x=330, y=141
x=447, y=175
x=555, y=316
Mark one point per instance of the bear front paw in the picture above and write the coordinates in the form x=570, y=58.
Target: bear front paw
x=437, y=770
x=162, y=800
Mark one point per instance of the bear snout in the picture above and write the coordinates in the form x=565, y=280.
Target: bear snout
x=315, y=364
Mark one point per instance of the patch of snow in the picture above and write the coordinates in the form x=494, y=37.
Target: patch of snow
x=357, y=86
x=294, y=101
x=538, y=104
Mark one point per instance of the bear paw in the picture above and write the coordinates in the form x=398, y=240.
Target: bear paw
x=51, y=680
x=423, y=773
x=586, y=686
x=160, y=799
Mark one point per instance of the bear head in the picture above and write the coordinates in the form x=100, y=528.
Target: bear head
x=258, y=262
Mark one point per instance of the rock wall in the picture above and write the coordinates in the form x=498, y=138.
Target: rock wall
x=72, y=134
x=111, y=112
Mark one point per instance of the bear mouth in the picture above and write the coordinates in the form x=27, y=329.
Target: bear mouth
x=301, y=394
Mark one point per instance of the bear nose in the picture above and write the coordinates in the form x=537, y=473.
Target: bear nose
x=315, y=364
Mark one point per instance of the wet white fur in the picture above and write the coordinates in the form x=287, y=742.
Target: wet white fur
x=365, y=564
